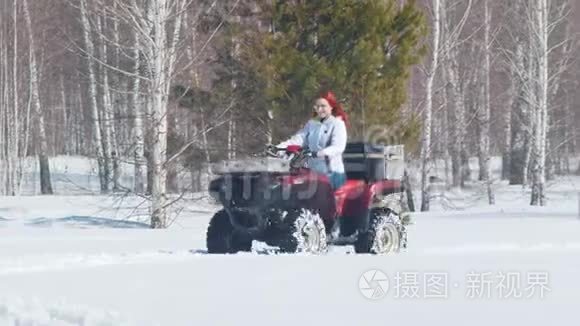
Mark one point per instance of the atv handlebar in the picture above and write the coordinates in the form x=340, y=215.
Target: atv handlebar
x=298, y=154
x=291, y=149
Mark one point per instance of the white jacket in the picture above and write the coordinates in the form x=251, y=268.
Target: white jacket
x=327, y=138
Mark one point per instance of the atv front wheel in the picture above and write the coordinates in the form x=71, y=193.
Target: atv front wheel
x=222, y=238
x=304, y=232
x=384, y=234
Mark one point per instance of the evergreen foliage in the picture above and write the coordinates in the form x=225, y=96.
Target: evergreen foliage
x=362, y=50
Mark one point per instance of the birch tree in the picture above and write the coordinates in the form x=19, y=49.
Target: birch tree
x=95, y=117
x=139, y=115
x=540, y=11
x=14, y=151
x=156, y=26
x=428, y=110
x=561, y=133
x=45, y=179
x=453, y=22
x=536, y=78
x=4, y=116
x=485, y=112
x=519, y=118
x=109, y=138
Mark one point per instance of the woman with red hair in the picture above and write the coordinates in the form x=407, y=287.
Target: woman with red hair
x=337, y=110
x=325, y=135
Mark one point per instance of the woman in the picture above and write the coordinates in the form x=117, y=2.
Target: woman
x=325, y=136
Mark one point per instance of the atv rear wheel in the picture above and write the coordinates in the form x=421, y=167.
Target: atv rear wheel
x=222, y=238
x=383, y=236
x=304, y=232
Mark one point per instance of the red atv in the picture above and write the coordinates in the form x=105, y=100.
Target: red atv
x=284, y=204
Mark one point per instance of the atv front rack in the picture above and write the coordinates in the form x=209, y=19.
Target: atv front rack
x=253, y=165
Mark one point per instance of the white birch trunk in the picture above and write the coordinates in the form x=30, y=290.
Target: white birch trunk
x=172, y=53
x=66, y=133
x=519, y=120
x=17, y=166
x=205, y=142
x=27, y=131
x=230, y=137
x=111, y=158
x=45, y=180
x=15, y=132
x=458, y=125
x=138, y=126
x=507, y=129
x=172, y=185
x=532, y=98
x=119, y=99
x=454, y=93
x=427, y=113
x=4, y=164
x=97, y=138
x=234, y=85
x=234, y=142
x=80, y=130
x=568, y=134
x=539, y=180
x=158, y=60
x=485, y=117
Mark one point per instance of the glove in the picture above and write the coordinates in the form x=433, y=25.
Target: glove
x=271, y=150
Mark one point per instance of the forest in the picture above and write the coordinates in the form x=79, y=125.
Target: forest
x=169, y=87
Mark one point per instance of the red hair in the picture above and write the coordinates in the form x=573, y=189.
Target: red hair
x=337, y=110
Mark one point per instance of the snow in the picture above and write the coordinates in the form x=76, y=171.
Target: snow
x=20, y=312
x=82, y=259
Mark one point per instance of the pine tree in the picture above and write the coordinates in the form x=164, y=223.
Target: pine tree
x=362, y=50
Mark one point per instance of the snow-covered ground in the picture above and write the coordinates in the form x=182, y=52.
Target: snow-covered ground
x=91, y=260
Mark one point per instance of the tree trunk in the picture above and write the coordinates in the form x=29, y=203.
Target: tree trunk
x=519, y=122
x=485, y=117
x=97, y=138
x=230, y=137
x=159, y=79
x=108, y=126
x=120, y=107
x=14, y=186
x=138, y=126
x=427, y=113
x=172, y=167
x=538, y=187
x=45, y=180
x=4, y=119
x=532, y=100
x=148, y=134
x=458, y=125
x=205, y=143
x=66, y=134
x=506, y=155
x=196, y=83
x=569, y=135
x=172, y=184
x=445, y=126
x=409, y=192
